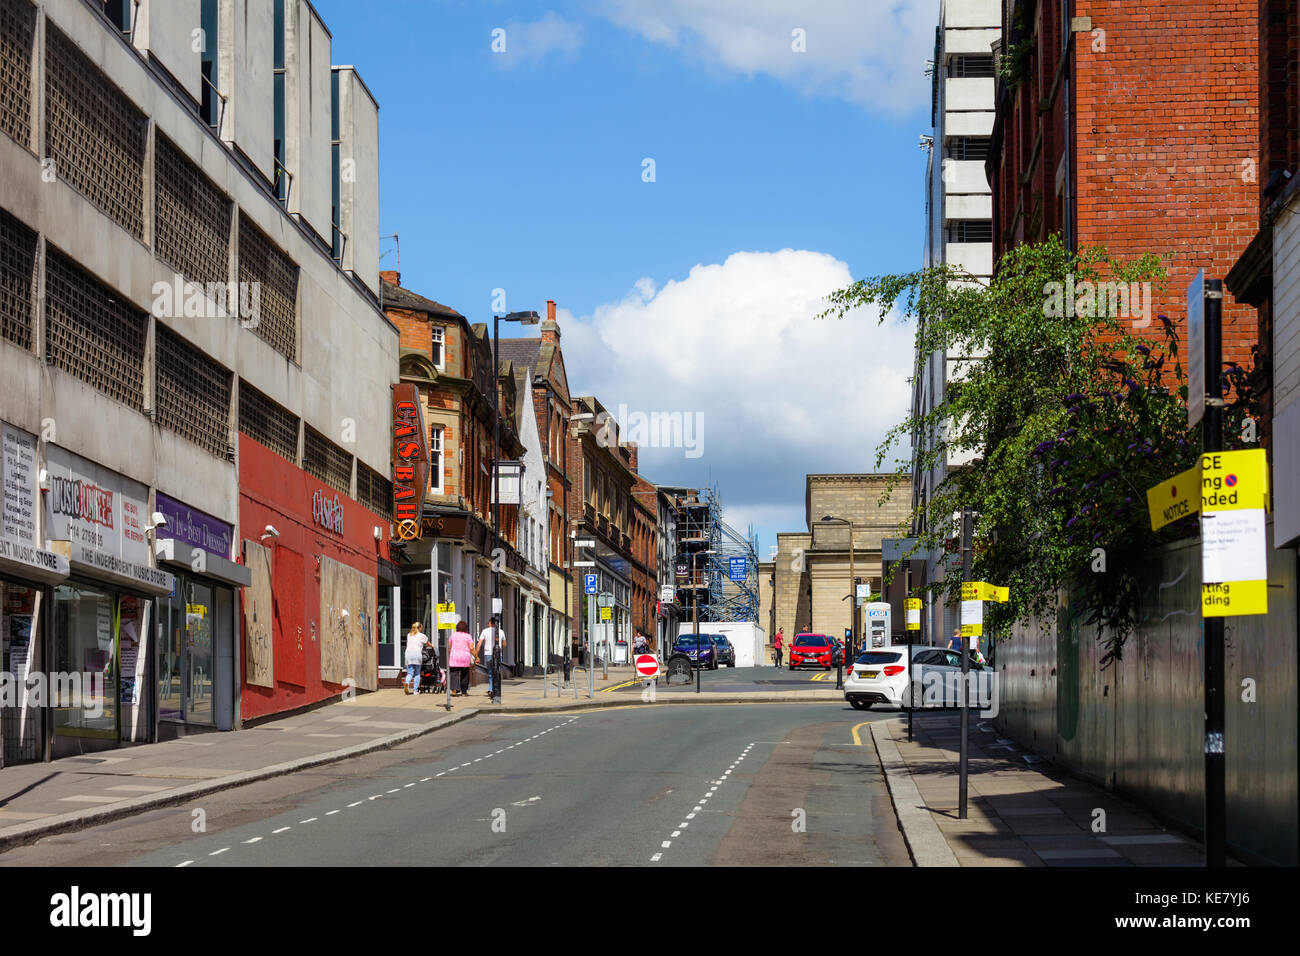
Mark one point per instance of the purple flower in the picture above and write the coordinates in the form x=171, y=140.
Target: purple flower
x=1074, y=397
x=1071, y=522
x=1132, y=384
x=1144, y=350
x=1069, y=433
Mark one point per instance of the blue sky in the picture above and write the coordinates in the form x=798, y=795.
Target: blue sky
x=523, y=170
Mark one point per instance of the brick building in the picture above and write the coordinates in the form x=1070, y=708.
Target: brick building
x=451, y=363
x=1134, y=127
x=552, y=406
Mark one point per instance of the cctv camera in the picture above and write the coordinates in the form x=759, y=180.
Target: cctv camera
x=344, y=613
x=158, y=520
x=44, y=480
x=379, y=533
x=270, y=532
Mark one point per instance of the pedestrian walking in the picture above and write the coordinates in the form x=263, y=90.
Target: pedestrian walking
x=416, y=641
x=778, y=644
x=955, y=643
x=460, y=658
x=490, y=647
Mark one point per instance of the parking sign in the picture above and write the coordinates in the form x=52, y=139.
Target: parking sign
x=589, y=584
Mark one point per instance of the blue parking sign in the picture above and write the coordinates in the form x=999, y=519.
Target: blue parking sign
x=589, y=584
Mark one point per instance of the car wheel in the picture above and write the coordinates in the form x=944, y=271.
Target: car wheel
x=860, y=704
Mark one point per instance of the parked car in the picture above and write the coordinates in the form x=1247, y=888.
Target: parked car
x=880, y=677
x=726, y=653
x=810, y=649
x=705, y=654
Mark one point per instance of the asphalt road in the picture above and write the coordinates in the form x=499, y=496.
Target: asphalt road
x=642, y=785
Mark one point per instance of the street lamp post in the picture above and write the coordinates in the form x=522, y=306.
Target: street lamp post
x=523, y=318
x=853, y=604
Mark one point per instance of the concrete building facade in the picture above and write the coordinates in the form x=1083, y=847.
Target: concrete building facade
x=167, y=306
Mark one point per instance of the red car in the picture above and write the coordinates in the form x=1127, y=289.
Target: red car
x=813, y=649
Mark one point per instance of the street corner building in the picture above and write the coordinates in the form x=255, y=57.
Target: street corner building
x=195, y=371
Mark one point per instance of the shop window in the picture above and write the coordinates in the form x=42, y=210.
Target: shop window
x=85, y=690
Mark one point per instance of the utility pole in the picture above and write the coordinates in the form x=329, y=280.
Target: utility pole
x=967, y=534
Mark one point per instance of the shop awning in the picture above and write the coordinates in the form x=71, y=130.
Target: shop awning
x=214, y=566
x=32, y=563
x=114, y=570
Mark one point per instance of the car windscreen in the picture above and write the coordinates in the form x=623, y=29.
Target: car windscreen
x=878, y=657
x=811, y=640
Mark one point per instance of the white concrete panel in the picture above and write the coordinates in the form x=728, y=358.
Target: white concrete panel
x=975, y=257
x=165, y=28
x=359, y=198
x=972, y=13
x=968, y=207
x=964, y=176
x=307, y=115
x=968, y=124
x=970, y=40
x=968, y=93
x=246, y=68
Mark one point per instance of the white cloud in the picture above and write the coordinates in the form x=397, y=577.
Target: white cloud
x=868, y=51
x=779, y=393
x=538, y=39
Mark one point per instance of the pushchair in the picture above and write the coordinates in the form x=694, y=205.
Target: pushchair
x=433, y=677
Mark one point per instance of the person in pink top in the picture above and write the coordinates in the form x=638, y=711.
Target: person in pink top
x=460, y=658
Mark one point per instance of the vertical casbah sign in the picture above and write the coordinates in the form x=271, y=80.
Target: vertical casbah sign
x=410, y=462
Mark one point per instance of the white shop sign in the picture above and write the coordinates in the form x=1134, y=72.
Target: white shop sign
x=95, y=508
x=18, y=468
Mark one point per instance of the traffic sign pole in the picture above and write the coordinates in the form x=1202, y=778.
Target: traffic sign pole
x=967, y=533
x=1215, y=762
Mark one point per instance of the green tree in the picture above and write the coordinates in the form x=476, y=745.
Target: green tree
x=1069, y=417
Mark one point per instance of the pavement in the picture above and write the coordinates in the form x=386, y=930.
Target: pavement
x=1021, y=811
x=41, y=799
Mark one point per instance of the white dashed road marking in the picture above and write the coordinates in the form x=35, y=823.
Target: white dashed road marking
x=699, y=807
x=377, y=796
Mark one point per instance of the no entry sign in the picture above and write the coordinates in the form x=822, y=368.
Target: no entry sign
x=647, y=665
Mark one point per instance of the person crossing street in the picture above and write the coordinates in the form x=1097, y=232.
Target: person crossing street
x=490, y=647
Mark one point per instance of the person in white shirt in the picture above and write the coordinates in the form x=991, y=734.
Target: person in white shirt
x=416, y=640
x=490, y=642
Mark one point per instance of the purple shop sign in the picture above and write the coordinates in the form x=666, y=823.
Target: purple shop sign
x=194, y=528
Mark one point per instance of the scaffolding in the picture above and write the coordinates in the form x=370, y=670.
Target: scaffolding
x=700, y=529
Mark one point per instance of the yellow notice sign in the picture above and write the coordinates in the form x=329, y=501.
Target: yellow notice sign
x=1175, y=498
x=982, y=591
x=1234, y=480
x=972, y=630
x=606, y=613
x=1230, y=598
x=1234, y=549
x=912, y=607
x=448, y=608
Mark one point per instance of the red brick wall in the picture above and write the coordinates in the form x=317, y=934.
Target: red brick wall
x=1165, y=129
x=1167, y=134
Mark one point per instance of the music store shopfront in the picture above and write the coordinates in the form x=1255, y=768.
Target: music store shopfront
x=197, y=663
x=99, y=621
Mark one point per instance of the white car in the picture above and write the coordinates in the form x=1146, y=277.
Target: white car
x=881, y=677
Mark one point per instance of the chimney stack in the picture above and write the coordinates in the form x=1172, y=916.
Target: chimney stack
x=550, y=328
x=389, y=276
